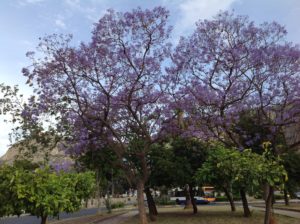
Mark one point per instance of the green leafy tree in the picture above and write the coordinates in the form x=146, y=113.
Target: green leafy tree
x=273, y=175
x=104, y=163
x=219, y=170
x=48, y=193
x=174, y=163
x=243, y=170
x=291, y=163
x=9, y=201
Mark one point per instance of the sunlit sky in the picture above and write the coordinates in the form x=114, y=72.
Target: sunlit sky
x=22, y=22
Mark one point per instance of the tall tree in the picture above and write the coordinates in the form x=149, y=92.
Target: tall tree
x=108, y=91
x=230, y=65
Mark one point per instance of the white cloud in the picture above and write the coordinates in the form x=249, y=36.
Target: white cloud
x=4, y=137
x=190, y=11
x=75, y=4
x=33, y=1
x=28, y=2
x=59, y=22
x=90, y=9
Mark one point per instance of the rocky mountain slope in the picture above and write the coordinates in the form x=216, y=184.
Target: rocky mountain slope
x=18, y=152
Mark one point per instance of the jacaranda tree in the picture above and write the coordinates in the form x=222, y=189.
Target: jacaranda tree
x=229, y=66
x=112, y=92
x=109, y=91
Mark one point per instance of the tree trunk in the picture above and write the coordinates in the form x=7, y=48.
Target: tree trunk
x=141, y=204
x=286, y=198
x=188, y=201
x=269, y=203
x=44, y=220
x=151, y=204
x=247, y=212
x=98, y=193
x=230, y=198
x=194, y=202
x=112, y=183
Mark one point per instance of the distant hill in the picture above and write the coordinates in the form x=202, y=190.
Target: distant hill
x=17, y=151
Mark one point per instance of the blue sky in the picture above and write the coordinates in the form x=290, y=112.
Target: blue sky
x=22, y=22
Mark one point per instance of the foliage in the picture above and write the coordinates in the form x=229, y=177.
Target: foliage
x=42, y=192
x=290, y=161
x=117, y=205
x=164, y=200
x=219, y=168
x=226, y=167
x=9, y=200
x=228, y=66
x=113, y=92
x=175, y=161
x=48, y=193
x=109, y=90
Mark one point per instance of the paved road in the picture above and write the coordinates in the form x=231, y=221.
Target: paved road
x=28, y=219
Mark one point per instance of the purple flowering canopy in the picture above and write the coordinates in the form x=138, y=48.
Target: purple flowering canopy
x=229, y=66
x=110, y=90
x=113, y=91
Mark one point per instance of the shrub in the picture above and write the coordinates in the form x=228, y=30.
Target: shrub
x=164, y=200
x=117, y=205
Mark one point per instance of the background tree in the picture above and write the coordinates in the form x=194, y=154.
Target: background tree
x=104, y=163
x=161, y=173
x=189, y=155
x=173, y=164
x=290, y=161
x=27, y=135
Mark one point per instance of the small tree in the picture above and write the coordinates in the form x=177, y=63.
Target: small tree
x=243, y=170
x=271, y=173
x=47, y=193
x=219, y=170
x=10, y=204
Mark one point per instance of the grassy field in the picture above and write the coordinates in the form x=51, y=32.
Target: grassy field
x=211, y=215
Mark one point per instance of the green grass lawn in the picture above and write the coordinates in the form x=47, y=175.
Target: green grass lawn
x=211, y=215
